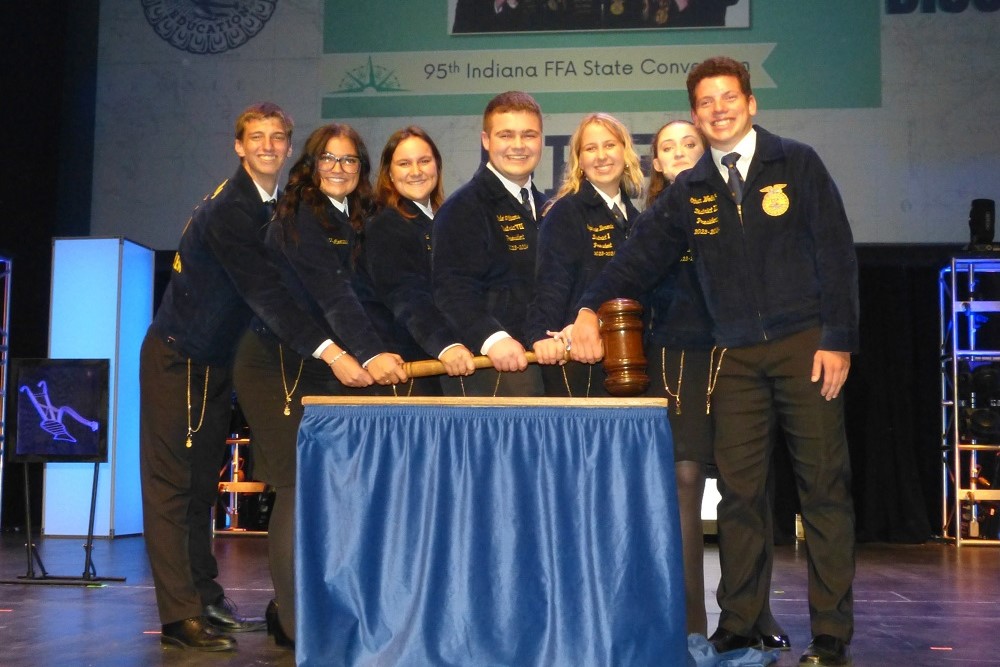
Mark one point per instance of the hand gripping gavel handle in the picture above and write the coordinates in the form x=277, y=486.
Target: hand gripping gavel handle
x=624, y=361
x=429, y=367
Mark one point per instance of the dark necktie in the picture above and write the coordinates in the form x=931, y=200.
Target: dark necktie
x=526, y=200
x=270, y=204
x=617, y=214
x=735, y=180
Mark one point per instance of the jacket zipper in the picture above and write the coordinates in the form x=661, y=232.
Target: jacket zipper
x=760, y=319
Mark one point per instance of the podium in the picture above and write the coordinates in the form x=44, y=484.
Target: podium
x=529, y=532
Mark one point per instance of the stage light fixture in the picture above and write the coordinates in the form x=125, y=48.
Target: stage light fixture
x=982, y=223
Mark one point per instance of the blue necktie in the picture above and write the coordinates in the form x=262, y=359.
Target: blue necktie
x=735, y=180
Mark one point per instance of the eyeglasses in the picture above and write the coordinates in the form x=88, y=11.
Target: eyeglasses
x=349, y=163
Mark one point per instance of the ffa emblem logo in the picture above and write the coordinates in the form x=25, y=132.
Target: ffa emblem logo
x=207, y=26
x=775, y=201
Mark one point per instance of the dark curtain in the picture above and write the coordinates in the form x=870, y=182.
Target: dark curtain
x=893, y=395
x=892, y=401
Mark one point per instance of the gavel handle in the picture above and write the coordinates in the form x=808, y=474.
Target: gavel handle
x=429, y=367
x=621, y=334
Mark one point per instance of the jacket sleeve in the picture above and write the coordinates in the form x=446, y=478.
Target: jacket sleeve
x=557, y=268
x=397, y=261
x=836, y=259
x=657, y=242
x=461, y=261
x=327, y=280
x=235, y=236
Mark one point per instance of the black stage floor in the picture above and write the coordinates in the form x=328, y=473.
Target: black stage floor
x=915, y=605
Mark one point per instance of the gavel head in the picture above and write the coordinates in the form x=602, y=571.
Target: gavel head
x=624, y=361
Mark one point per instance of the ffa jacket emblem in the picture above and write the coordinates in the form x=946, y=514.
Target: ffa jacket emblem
x=775, y=201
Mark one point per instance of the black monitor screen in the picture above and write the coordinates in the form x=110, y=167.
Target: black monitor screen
x=61, y=410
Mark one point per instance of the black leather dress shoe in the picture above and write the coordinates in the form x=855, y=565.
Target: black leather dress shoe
x=776, y=642
x=826, y=651
x=724, y=640
x=195, y=633
x=274, y=626
x=222, y=614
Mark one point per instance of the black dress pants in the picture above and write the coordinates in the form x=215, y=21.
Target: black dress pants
x=755, y=385
x=261, y=394
x=180, y=484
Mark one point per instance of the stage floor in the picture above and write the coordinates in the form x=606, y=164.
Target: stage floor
x=915, y=605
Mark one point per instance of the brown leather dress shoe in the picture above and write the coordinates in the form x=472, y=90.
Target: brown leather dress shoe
x=826, y=651
x=724, y=640
x=195, y=633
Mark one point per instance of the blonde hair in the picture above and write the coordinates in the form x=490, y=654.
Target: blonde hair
x=632, y=178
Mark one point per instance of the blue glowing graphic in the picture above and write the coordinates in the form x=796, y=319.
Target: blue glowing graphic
x=51, y=417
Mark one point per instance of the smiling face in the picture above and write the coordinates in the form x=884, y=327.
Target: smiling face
x=678, y=147
x=602, y=158
x=263, y=149
x=722, y=111
x=334, y=181
x=414, y=170
x=513, y=140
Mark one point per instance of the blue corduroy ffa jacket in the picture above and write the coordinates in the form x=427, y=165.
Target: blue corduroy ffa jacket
x=780, y=263
x=222, y=275
x=484, y=260
x=577, y=238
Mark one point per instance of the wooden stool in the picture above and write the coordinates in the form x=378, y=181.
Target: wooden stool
x=235, y=486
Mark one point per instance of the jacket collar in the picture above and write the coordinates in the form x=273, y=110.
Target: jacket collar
x=496, y=188
x=592, y=198
x=769, y=149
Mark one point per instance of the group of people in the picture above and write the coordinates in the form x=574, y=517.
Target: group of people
x=473, y=16
x=746, y=273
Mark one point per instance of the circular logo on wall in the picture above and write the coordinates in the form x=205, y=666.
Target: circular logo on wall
x=208, y=26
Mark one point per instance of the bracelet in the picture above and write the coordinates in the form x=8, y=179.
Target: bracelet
x=336, y=358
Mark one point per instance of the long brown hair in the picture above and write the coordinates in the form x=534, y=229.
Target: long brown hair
x=657, y=179
x=303, y=182
x=386, y=194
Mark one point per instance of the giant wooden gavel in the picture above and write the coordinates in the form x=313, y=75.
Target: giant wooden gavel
x=624, y=361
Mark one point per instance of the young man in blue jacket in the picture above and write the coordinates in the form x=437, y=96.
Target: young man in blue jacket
x=483, y=253
x=775, y=258
x=221, y=276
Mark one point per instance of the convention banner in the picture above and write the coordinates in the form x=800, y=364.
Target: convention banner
x=384, y=58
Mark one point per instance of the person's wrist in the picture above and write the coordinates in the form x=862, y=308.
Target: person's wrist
x=336, y=358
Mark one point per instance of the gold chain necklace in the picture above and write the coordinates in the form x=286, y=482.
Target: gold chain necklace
x=680, y=379
x=409, y=390
x=569, y=392
x=496, y=387
x=204, y=400
x=713, y=377
x=284, y=383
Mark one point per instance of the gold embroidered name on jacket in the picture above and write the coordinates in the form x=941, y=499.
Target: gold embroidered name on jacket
x=705, y=211
x=600, y=237
x=513, y=228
